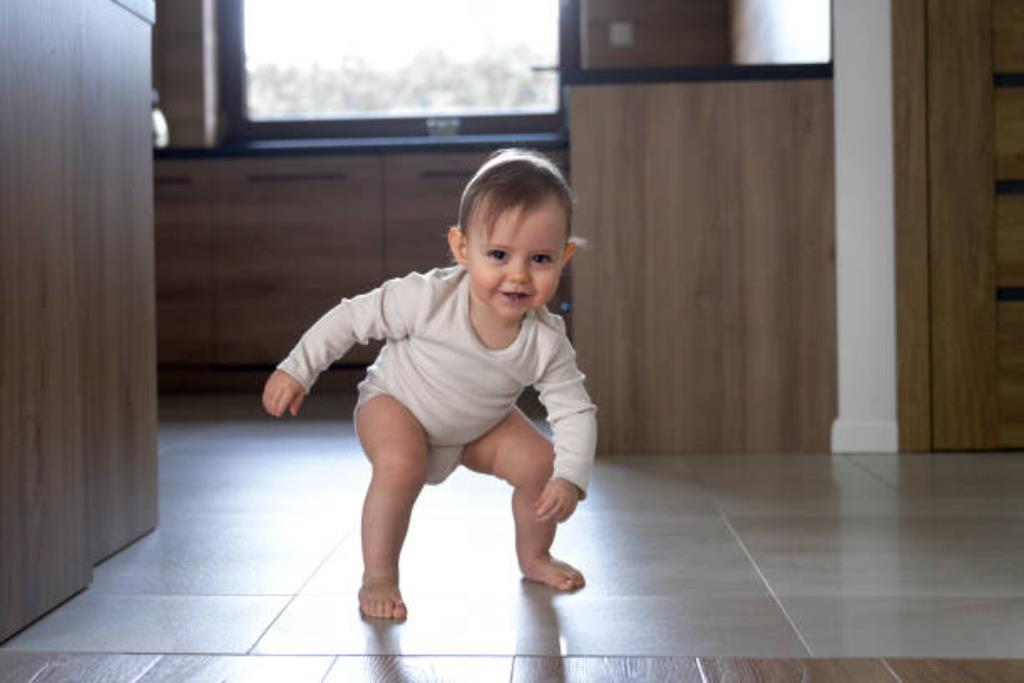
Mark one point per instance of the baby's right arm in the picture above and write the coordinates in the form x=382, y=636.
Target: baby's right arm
x=282, y=391
x=384, y=313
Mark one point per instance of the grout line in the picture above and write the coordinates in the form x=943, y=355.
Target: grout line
x=305, y=583
x=895, y=676
x=330, y=668
x=701, y=671
x=149, y=668
x=764, y=580
x=870, y=471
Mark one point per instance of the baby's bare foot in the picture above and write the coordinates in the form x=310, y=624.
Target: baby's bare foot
x=554, y=573
x=380, y=598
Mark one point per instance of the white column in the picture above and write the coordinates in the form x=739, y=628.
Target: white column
x=865, y=271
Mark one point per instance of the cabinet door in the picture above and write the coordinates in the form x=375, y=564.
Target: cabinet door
x=292, y=237
x=184, y=263
x=421, y=201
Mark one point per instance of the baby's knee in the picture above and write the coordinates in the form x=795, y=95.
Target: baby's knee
x=400, y=469
x=538, y=466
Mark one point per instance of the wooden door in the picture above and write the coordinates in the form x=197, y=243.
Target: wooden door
x=959, y=153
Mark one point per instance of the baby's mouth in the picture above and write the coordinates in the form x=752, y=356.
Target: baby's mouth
x=515, y=297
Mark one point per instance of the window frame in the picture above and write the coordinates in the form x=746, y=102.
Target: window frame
x=238, y=127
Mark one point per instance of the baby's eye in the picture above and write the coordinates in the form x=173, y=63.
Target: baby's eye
x=541, y=258
x=496, y=254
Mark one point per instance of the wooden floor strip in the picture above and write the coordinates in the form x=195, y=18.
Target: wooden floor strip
x=722, y=670
x=412, y=669
x=605, y=669
x=21, y=667
x=958, y=670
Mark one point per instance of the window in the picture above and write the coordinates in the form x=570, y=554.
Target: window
x=392, y=67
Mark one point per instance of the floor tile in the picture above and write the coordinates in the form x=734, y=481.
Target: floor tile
x=791, y=483
x=910, y=627
x=332, y=625
x=92, y=622
x=948, y=484
x=647, y=483
x=635, y=554
x=222, y=554
x=887, y=556
x=661, y=626
x=420, y=670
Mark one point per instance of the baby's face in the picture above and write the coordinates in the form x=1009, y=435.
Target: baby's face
x=517, y=267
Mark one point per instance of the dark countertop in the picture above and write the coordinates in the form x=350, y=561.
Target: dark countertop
x=314, y=147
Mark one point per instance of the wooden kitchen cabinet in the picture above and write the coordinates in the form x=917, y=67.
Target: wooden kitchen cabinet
x=422, y=193
x=78, y=449
x=251, y=251
x=184, y=262
x=291, y=237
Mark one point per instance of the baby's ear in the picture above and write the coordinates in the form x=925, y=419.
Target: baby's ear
x=570, y=249
x=457, y=244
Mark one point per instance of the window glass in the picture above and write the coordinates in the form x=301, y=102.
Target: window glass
x=349, y=59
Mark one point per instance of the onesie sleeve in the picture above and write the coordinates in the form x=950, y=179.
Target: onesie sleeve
x=388, y=312
x=571, y=414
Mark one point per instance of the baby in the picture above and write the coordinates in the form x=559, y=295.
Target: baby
x=461, y=344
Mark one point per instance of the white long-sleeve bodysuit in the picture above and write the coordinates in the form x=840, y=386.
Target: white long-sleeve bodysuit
x=434, y=364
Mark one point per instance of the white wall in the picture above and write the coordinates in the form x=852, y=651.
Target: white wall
x=865, y=274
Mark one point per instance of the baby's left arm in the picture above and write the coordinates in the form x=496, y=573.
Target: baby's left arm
x=558, y=500
x=573, y=420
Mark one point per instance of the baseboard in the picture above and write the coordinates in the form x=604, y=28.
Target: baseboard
x=865, y=436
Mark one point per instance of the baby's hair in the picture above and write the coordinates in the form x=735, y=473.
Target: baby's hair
x=509, y=179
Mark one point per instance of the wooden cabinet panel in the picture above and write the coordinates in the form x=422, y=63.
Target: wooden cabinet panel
x=114, y=259
x=77, y=376
x=910, y=190
x=421, y=201
x=291, y=237
x=665, y=33
x=184, y=263
x=961, y=218
x=1008, y=35
x=43, y=543
x=1011, y=374
x=1009, y=104
x=705, y=308
x=1010, y=239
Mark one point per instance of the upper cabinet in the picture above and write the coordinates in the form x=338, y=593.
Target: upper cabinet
x=669, y=33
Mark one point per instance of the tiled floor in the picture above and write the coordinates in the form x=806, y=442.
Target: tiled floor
x=752, y=556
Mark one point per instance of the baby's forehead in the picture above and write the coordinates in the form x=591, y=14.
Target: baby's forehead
x=488, y=217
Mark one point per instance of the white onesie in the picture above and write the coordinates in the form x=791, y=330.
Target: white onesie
x=434, y=364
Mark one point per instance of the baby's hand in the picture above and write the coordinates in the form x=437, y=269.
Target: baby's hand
x=557, y=501
x=282, y=391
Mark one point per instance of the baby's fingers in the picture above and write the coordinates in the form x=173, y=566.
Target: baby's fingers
x=296, y=403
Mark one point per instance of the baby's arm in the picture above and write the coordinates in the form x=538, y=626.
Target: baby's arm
x=282, y=391
x=572, y=417
x=386, y=312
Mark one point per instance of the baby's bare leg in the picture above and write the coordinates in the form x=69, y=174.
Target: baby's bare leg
x=397, y=448
x=516, y=452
